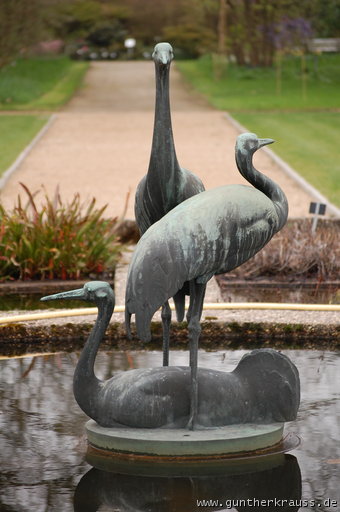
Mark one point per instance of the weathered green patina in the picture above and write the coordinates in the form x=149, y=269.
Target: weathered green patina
x=166, y=184
x=264, y=388
x=210, y=233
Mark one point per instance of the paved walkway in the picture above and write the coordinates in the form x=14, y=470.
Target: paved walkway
x=99, y=144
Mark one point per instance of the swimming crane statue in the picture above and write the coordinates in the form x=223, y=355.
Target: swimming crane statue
x=210, y=233
x=166, y=184
x=160, y=397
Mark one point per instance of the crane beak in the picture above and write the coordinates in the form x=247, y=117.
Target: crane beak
x=162, y=57
x=264, y=142
x=72, y=294
x=165, y=58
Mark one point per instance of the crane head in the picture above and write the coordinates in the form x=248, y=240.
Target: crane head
x=249, y=143
x=163, y=54
x=93, y=291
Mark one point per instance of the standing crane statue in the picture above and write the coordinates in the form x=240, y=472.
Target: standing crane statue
x=160, y=397
x=166, y=184
x=210, y=233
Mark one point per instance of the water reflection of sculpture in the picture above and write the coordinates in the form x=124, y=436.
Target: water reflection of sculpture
x=166, y=184
x=263, y=388
x=278, y=482
x=210, y=233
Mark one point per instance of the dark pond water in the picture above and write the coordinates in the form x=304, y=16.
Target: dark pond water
x=42, y=455
x=323, y=294
x=295, y=293
x=27, y=302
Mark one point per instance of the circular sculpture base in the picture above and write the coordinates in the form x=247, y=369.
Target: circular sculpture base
x=182, y=444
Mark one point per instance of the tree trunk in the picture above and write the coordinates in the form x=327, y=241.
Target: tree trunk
x=221, y=28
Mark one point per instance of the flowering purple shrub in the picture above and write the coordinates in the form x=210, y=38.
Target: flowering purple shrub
x=290, y=33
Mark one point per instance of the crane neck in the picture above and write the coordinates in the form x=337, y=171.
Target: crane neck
x=86, y=385
x=163, y=159
x=261, y=182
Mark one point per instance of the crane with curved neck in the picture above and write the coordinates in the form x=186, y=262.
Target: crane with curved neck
x=86, y=386
x=166, y=184
x=208, y=234
x=244, y=151
x=160, y=397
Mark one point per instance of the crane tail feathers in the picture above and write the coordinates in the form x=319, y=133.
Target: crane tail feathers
x=143, y=320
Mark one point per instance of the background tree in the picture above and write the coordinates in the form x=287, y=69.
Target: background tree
x=20, y=27
x=98, y=21
x=222, y=21
x=250, y=30
x=193, y=30
x=257, y=28
x=187, y=24
x=324, y=16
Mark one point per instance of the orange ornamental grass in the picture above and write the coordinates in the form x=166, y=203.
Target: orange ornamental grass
x=56, y=240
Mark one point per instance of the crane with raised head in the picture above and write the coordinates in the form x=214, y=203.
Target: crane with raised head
x=166, y=184
x=210, y=233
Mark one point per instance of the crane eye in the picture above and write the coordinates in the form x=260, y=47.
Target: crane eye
x=87, y=293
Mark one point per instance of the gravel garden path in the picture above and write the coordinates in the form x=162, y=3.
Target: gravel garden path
x=99, y=146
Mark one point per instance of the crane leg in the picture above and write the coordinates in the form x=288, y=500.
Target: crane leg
x=166, y=321
x=197, y=292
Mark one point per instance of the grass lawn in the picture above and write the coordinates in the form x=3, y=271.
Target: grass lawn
x=39, y=83
x=308, y=141
x=16, y=132
x=259, y=88
x=302, y=112
x=33, y=84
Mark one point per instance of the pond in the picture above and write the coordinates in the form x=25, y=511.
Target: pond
x=31, y=302
x=43, y=447
x=317, y=293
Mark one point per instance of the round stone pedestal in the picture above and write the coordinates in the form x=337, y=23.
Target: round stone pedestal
x=181, y=444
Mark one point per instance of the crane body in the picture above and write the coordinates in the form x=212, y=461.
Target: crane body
x=192, y=243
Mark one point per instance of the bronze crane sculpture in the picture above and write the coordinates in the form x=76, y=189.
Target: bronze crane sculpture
x=160, y=397
x=166, y=184
x=210, y=233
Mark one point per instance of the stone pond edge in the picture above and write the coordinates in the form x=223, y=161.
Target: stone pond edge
x=20, y=339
